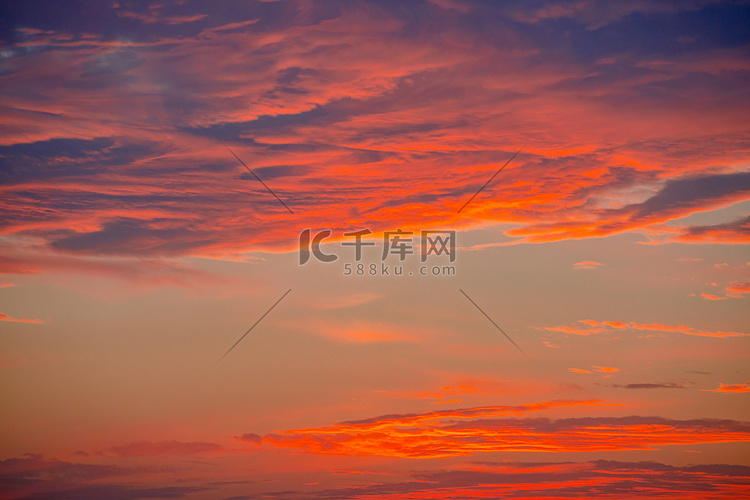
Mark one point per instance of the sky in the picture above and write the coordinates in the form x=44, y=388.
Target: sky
x=322, y=249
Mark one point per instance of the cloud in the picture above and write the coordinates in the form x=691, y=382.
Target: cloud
x=137, y=271
x=251, y=438
x=35, y=466
x=737, y=289
x=588, y=264
x=599, y=369
x=164, y=448
x=574, y=330
x=677, y=198
x=606, y=369
x=708, y=296
x=5, y=317
x=732, y=388
x=125, y=236
x=579, y=370
x=597, y=16
x=362, y=115
x=682, y=196
x=33, y=477
x=596, y=479
x=355, y=330
x=662, y=385
x=479, y=430
x=467, y=387
x=735, y=232
x=614, y=326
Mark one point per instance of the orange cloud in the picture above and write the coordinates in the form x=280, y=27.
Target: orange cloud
x=600, y=369
x=732, y=388
x=606, y=369
x=478, y=430
x=656, y=327
x=5, y=317
x=574, y=330
x=579, y=370
x=708, y=296
x=614, y=324
x=737, y=289
x=660, y=327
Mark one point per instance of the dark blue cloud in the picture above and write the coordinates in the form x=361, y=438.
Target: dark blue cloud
x=124, y=236
x=65, y=158
x=684, y=194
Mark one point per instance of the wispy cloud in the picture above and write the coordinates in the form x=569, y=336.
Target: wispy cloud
x=163, y=448
x=5, y=317
x=647, y=385
x=614, y=326
x=587, y=264
x=595, y=369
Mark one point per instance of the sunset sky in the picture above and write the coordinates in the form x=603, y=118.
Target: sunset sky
x=160, y=337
